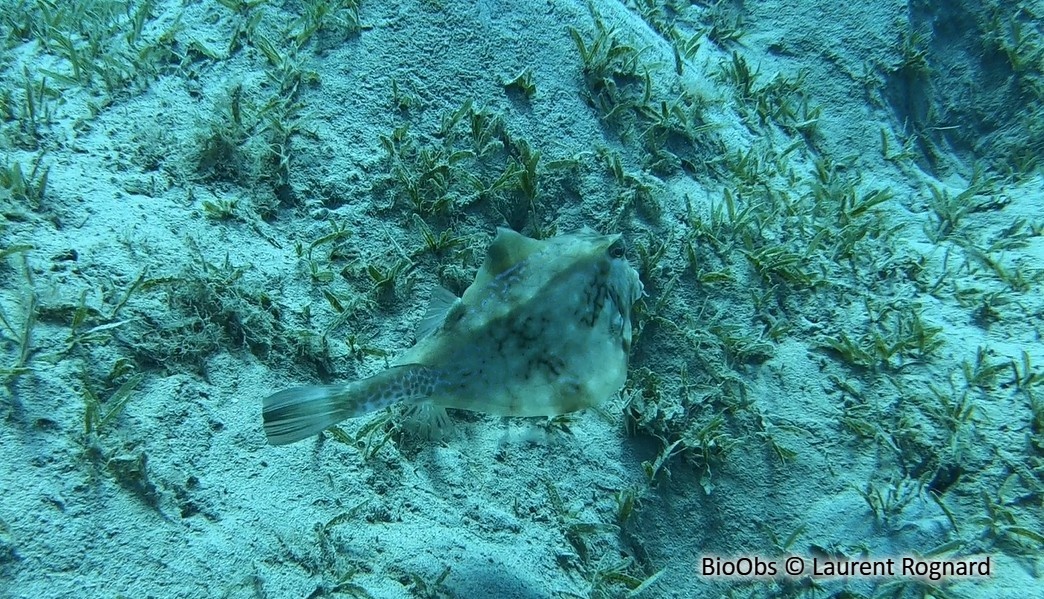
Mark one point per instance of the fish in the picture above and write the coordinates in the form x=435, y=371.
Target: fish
x=544, y=329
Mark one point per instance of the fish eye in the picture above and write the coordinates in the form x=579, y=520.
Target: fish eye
x=616, y=250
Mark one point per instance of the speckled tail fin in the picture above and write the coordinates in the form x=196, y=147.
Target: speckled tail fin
x=298, y=413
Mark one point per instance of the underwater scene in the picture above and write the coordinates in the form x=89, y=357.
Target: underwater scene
x=522, y=299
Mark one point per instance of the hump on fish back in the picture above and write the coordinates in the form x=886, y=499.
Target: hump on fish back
x=508, y=249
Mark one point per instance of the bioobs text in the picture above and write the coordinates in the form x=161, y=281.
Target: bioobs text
x=741, y=566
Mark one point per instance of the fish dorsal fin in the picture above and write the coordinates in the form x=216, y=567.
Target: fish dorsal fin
x=508, y=249
x=442, y=300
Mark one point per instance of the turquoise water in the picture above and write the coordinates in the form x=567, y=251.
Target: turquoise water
x=833, y=210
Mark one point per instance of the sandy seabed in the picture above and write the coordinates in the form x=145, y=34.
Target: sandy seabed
x=835, y=209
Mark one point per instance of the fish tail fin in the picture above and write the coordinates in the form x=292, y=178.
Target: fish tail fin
x=300, y=412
